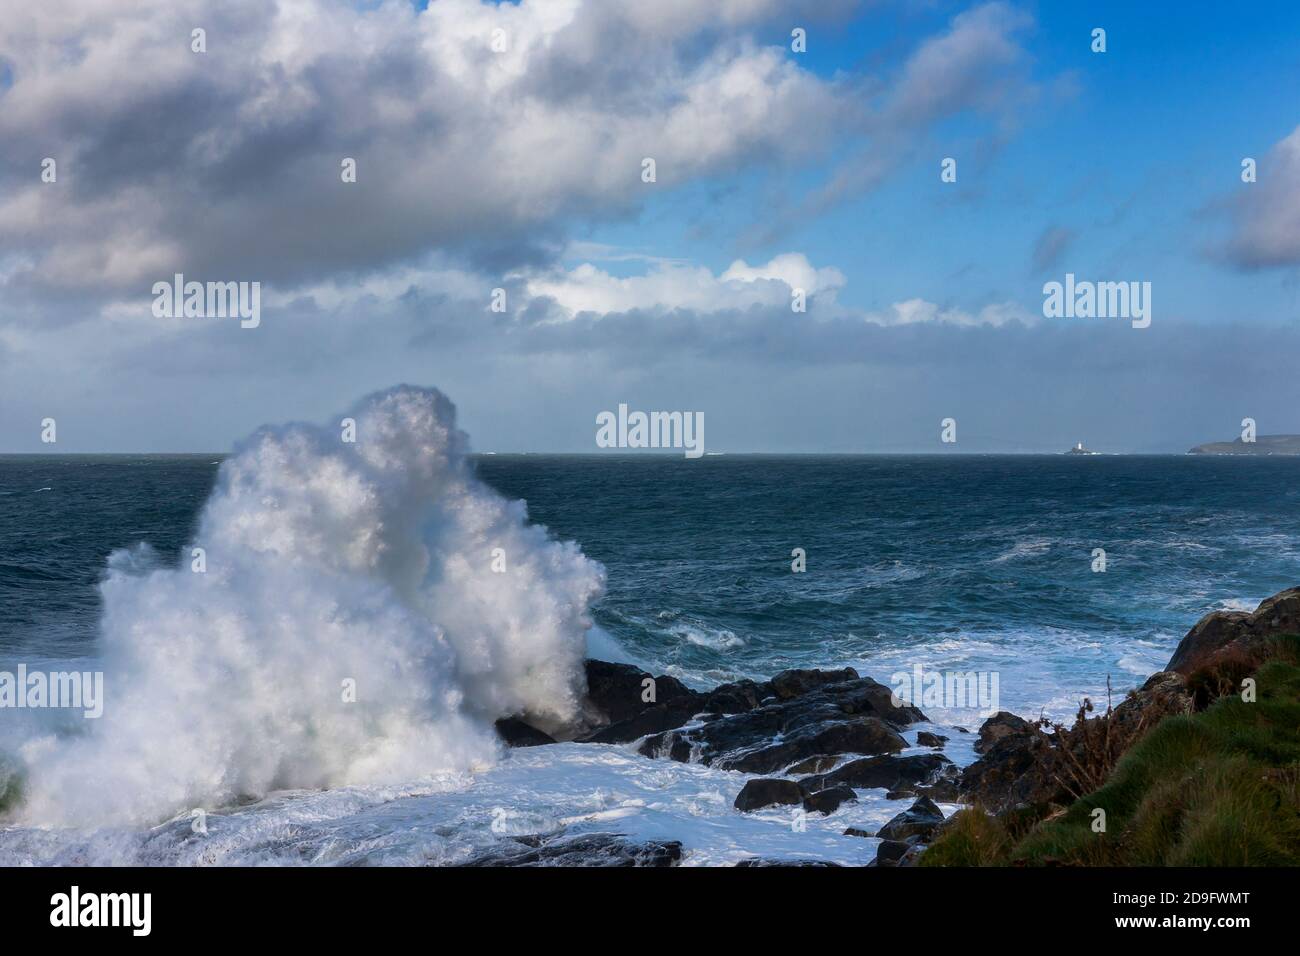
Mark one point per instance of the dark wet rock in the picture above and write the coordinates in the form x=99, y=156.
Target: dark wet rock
x=750, y=726
x=670, y=743
x=890, y=852
x=666, y=747
x=858, y=832
x=829, y=800
x=766, y=792
x=885, y=772
x=654, y=719
x=927, y=739
x=1018, y=769
x=588, y=849
x=620, y=714
x=796, y=683
x=920, y=820
x=812, y=765
x=913, y=855
x=854, y=715
x=1026, y=768
x=516, y=733
x=1164, y=694
x=762, y=862
x=616, y=692
x=1226, y=634
x=944, y=787
x=866, y=735
x=736, y=698
x=1000, y=725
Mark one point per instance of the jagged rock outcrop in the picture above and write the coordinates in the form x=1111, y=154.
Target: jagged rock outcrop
x=1223, y=634
x=766, y=792
x=587, y=849
x=891, y=852
x=1000, y=725
x=1016, y=770
x=620, y=713
x=829, y=800
x=1163, y=694
x=826, y=732
x=762, y=862
x=625, y=703
x=1024, y=766
x=887, y=771
x=809, y=714
x=920, y=820
x=515, y=732
x=799, y=718
x=905, y=836
x=818, y=764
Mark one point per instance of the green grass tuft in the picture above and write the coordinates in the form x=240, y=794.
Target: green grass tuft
x=1219, y=788
x=970, y=838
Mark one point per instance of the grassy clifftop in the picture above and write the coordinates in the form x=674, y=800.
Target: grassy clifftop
x=1216, y=788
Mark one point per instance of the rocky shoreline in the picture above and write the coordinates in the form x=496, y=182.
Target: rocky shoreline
x=816, y=737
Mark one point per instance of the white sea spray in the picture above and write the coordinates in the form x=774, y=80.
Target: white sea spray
x=326, y=562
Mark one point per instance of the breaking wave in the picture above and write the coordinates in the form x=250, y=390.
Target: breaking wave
x=349, y=620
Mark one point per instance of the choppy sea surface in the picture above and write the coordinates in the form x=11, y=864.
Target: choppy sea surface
x=966, y=563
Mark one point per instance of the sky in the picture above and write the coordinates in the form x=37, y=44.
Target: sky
x=503, y=147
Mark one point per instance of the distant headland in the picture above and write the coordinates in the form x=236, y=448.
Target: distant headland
x=1262, y=445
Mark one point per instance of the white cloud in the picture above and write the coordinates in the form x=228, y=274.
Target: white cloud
x=1266, y=213
x=977, y=65
x=674, y=285
x=793, y=269
x=969, y=65
x=913, y=311
x=227, y=162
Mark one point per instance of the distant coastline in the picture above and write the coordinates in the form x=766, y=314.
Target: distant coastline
x=1263, y=445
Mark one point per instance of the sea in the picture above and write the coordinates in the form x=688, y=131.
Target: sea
x=1067, y=577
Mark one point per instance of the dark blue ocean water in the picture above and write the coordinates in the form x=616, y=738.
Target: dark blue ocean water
x=60, y=517
x=952, y=560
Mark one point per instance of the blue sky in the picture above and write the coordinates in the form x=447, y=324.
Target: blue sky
x=1128, y=150
x=519, y=169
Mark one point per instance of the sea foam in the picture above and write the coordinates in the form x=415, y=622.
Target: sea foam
x=329, y=565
